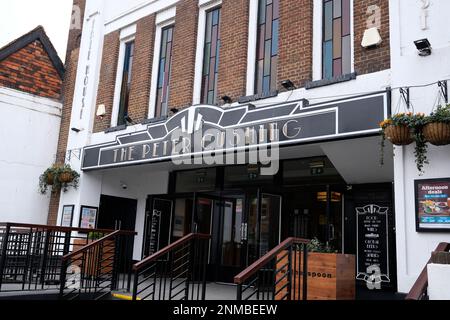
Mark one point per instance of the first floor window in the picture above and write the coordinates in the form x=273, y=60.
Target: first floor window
x=165, y=66
x=126, y=83
x=336, y=38
x=211, y=57
x=267, y=46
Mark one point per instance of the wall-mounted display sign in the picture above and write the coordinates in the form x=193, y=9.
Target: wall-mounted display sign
x=67, y=216
x=372, y=244
x=205, y=128
x=432, y=205
x=88, y=217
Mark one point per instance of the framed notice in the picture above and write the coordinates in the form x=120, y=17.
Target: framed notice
x=432, y=205
x=88, y=217
x=67, y=216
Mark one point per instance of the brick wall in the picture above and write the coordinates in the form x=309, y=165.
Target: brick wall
x=377, y=59
x=233, y=51
x=183, y=59
x=108, y=72
x=142, y=69
x=295, y=44
x=31, y=70
x=68, y=89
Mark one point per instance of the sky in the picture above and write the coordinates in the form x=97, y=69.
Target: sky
x=18, y=17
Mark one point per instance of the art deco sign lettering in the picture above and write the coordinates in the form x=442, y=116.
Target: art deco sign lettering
x=201, y=130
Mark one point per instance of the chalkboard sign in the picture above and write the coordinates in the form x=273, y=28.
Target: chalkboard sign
x=155, y=231
x=372, y=245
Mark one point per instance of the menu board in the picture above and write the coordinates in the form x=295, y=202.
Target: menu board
x=373, y=250
x=67, y=216
x=433, y=205
x=88, y=217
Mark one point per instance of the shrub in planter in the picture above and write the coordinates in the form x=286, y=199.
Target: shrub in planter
x=436, y=129
x=403, y=129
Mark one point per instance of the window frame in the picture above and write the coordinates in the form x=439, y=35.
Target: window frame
x=163, y=20
x=256, y=61
x=204, y=7
x=126, y=35
x=318, y=31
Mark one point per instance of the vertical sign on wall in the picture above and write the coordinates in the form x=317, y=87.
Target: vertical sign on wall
x=372, y=243
x=154, y=233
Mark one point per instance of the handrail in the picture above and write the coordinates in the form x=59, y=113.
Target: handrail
x=96, y=242
x=252, y=269
x=138, y=266
x=54, y=228
x=420, y=286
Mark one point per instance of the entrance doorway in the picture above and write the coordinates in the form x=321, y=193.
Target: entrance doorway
x=119, y=214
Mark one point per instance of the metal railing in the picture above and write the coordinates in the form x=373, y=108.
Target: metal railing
x=177, y=272
x=97, y=269
x=31, y=255
x=420, y=287
x=282, y=274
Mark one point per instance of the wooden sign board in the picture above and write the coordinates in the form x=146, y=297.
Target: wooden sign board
x=330, y=277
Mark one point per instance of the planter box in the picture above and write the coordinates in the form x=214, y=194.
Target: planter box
x=438, y=281
x=92, y=257
x=330, y=277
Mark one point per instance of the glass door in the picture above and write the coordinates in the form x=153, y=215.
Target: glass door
x=158, y=220
x=263, y=224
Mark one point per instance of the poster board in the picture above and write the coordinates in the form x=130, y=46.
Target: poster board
x=432, y=197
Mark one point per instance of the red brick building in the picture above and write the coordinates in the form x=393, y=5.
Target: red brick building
x=293, y=70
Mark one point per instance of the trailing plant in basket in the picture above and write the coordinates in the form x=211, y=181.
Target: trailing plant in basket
x=58, y=177
x=437, y=126
x=413, y=123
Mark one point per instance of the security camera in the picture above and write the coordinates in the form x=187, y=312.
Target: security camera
x=124, y=185
x=424, y=47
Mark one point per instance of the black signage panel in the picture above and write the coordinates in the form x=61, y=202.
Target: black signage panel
x=372, y=243
x=199, y=130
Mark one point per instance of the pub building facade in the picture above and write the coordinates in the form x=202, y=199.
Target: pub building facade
x=179, y=108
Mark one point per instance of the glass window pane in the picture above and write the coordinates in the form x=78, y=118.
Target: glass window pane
x=346, y=55
x=267, y=56
x=337, y=67
x=275, y=37
x=262, y=12
x=337, y=38
x=328, y=21
x=269, y=22
x=328, y=60
x=345, y=17
x=337, y=9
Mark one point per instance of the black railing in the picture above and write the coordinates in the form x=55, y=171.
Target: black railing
x=282, y=274
x=31, y=255
x=97, y=269
x=177, y=272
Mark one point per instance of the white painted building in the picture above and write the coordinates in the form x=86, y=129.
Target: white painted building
x=424, y=19
x=354, y=155
x=31, y=110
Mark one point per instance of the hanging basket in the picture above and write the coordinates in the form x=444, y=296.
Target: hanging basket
x=66, y=177
x=437, y=133
x=399, y=135
x=50, y=179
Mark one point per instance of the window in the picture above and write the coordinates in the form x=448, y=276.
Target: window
x=211, y=57
x=336, y=38
x=267, y=46
x=165, y=66
x=126, y=83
